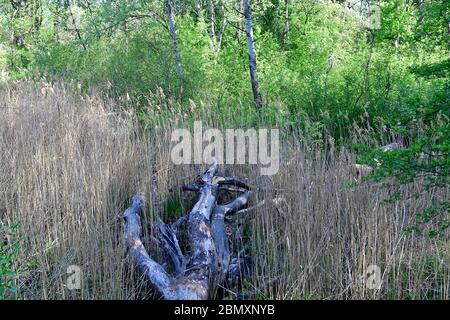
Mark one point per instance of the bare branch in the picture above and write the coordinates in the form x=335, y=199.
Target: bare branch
x=237, y=203
x=172, y=247
x=152, y=270
x=232, y=181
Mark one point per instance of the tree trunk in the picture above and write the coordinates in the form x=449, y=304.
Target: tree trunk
x=222, y=27
x=210, y=261
x=239, y=26
x=173, y=35
x=212, y=23
x=251, y=55
x=74, y=22
x=286, y=21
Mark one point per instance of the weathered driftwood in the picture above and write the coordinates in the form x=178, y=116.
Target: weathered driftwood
x=209, y=262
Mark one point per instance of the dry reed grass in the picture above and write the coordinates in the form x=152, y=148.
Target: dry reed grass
x=69, y=166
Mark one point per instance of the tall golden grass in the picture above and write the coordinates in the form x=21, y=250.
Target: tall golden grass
x=70, y=164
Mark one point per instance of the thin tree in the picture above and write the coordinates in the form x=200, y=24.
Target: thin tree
x=252, y=55
x=286, y=21
x=173, y=35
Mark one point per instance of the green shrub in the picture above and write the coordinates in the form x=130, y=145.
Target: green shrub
x=8, y=252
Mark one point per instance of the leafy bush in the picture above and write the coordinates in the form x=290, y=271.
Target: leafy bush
x=8, y=251
x=426, y=158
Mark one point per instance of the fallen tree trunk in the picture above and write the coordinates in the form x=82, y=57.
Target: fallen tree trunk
x=210, y=262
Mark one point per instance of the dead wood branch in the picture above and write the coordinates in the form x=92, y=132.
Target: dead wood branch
x=208, y=263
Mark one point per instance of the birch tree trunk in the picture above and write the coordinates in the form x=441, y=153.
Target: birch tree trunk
x=222, y=27
x=173, y=35
x=286, y=21
x=212, y=21
x=215, y=34
x=251, y=55
x=239, y=26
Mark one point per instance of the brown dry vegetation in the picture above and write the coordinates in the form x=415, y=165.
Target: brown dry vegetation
x=69, y=166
